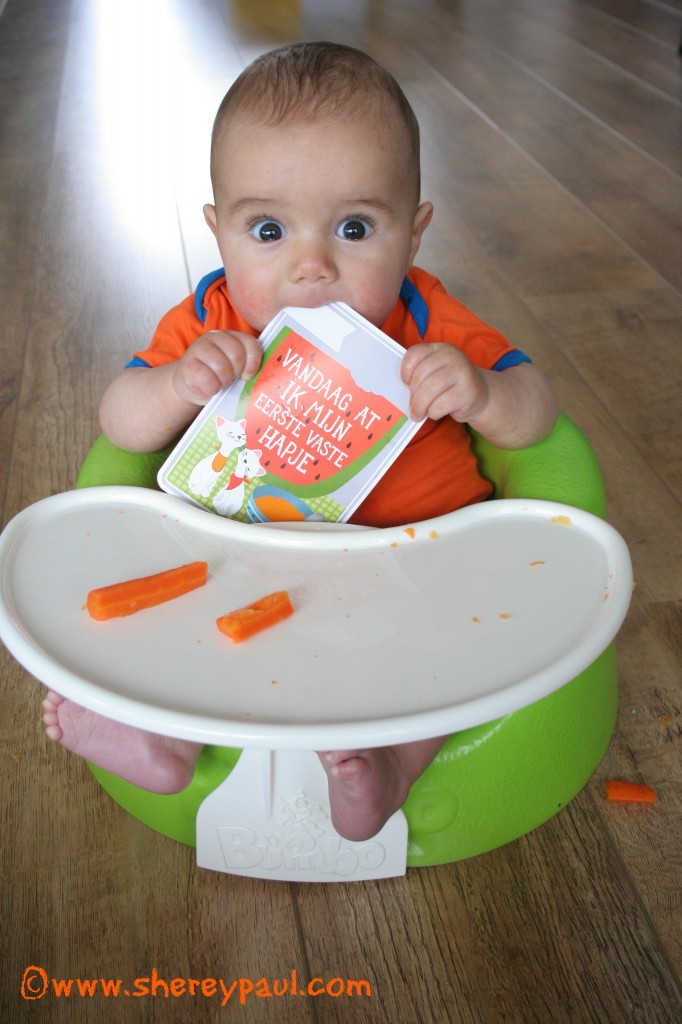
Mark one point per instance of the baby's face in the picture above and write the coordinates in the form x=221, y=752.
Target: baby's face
x=315, y=212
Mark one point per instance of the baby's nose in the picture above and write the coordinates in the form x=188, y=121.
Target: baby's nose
x=313, y=261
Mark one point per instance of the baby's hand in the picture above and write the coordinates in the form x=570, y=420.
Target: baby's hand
x=213, y=362
x=443, y=382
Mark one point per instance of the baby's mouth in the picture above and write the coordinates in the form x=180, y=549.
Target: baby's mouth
x=310, y=298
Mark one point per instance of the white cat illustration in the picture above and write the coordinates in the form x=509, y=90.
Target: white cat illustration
x=231, y=435
x=230, y=499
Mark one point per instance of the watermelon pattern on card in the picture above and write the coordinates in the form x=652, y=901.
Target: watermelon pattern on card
x=315, y=426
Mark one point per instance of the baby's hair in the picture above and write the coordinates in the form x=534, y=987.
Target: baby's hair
x=303, y=80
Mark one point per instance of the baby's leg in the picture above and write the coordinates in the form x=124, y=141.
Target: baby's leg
x=367, y=786
x=161, y=764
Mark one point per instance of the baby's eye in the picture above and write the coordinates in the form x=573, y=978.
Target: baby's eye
x=267, y=231
x=354, y=229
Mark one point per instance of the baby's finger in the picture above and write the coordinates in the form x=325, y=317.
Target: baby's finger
x=196, y=381
x=231, y=355
x=424, y=395
x=433, y=401
x=248, y=352
x=431, y=377
x=413, y=358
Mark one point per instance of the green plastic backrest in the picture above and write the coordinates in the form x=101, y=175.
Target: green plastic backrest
x=561, y=468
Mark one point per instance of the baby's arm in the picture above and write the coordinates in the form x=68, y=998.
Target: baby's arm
x=145, y=408
x=512, y=408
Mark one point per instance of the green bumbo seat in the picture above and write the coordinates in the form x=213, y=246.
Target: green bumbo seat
x=490, y=784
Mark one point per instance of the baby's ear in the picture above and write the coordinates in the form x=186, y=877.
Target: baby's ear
x=422, y=219
x=210, y=217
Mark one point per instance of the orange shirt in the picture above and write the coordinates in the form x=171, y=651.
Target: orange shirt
x=437, y=472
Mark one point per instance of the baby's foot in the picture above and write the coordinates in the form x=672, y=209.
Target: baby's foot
x=161, y=764
x=367, y=786
x=360, y=791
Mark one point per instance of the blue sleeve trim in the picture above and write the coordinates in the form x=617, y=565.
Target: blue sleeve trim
x=201, y=290
x=513, y=358
x=199, y=309
x=416, y=305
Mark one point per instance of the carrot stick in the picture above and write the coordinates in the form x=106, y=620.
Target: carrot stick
x=618, y=791
x=244, y=622
x=132, y=595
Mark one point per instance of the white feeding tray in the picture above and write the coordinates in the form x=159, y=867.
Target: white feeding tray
x=397, y=634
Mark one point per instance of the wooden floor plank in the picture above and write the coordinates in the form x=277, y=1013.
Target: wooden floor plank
x=494, y=932
x=646, y=748
x=28, y=103
x=654, y=19
x=611, y=178
x=627, y=105
x=645, y=51
x=93, y=306
x=641, y=323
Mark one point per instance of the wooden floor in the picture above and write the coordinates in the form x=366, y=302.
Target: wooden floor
x=552, y=154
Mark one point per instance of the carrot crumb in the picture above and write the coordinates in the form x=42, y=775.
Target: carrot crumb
x=474, y=618
x=504, y=615
x=433, y=534
x=620, y=791
x=409, y=530
x=539, y=562
x=561, y=520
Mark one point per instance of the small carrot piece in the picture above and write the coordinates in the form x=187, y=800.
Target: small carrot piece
x=244, y=622
x=619, y=791
x=131, y=596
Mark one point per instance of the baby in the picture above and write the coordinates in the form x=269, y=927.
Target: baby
x=316, y=181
